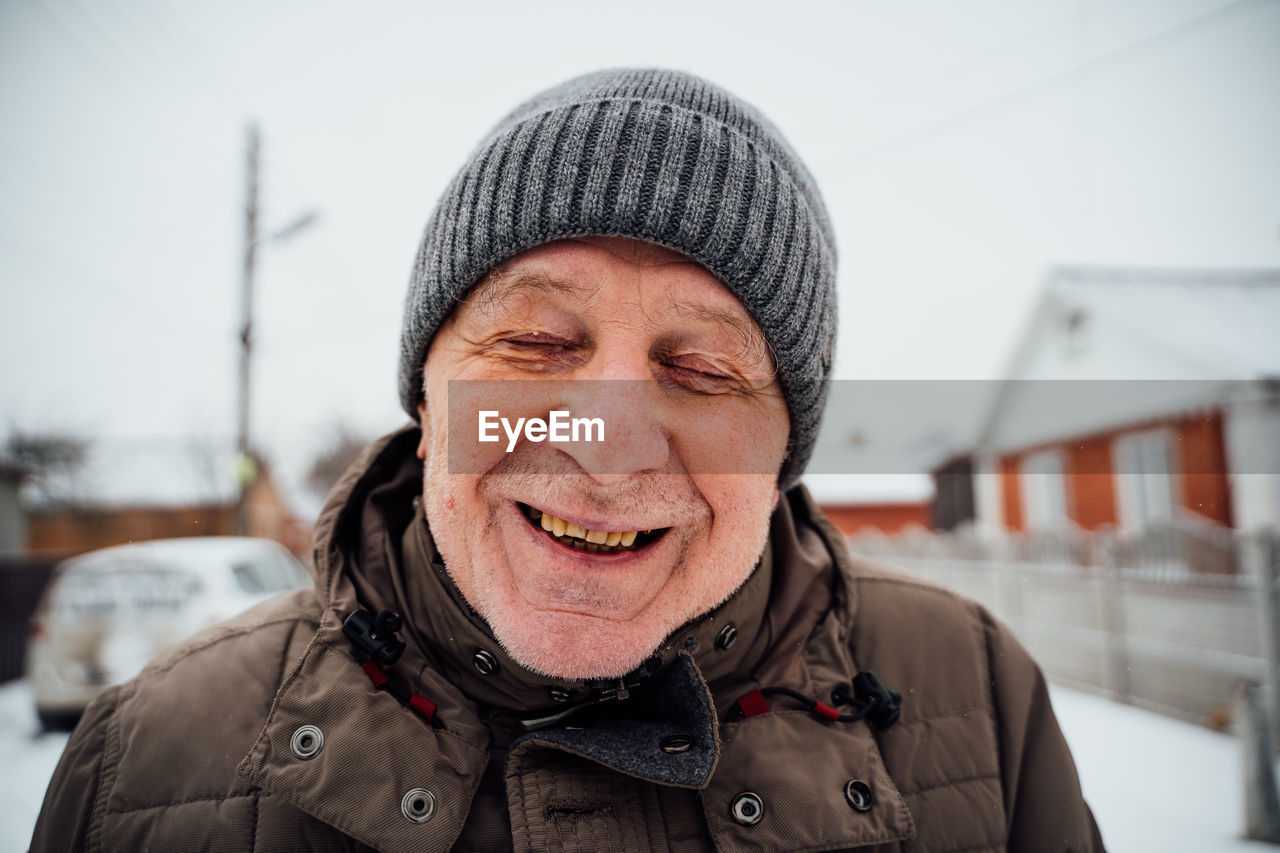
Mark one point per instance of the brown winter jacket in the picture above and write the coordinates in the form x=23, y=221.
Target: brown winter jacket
x=197, y=752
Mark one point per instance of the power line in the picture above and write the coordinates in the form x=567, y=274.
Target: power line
x=940, y=125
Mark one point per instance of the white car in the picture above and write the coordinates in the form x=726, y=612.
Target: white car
x=105, y=614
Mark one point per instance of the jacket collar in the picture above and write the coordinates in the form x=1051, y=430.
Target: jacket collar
x=373, y=551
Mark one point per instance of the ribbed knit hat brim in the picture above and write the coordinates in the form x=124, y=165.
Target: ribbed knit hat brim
x=659, y=156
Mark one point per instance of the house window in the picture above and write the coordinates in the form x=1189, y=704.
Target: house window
x=1144, y=478
x=1044, y=492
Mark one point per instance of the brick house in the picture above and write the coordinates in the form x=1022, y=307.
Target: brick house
x=134, y=491
x=1135, y=397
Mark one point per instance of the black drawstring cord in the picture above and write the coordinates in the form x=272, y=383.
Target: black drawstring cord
x=376, y=637
x=870, y=699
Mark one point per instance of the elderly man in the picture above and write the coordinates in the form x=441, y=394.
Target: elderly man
x=638, y=636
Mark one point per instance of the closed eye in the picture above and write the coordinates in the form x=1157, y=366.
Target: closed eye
x=701, y=379
x=537, y=341
x=538, y=352
x=694, y=372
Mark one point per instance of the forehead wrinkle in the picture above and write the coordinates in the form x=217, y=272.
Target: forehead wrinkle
x=499, y=288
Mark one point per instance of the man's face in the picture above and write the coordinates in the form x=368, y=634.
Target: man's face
x=694, y=403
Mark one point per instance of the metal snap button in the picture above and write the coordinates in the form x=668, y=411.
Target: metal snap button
x=747, y=808
x=727, y=637
x=306, y=742
x=858, y=793
x=676, y=743
x=418, y=805
x=484, y=662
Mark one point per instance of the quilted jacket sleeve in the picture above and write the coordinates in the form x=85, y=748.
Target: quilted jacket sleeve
x=67, y=816
x=1042, y=793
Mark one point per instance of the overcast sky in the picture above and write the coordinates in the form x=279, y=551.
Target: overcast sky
x=961, y=147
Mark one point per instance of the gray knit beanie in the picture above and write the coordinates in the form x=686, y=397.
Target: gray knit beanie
x=655, y=155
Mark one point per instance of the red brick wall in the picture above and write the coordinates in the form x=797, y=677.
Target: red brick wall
x=68, y=532
x=1011, y=491
x=1200, y=454
x=1199, y=459
x=886, y=516
x=1091, y=490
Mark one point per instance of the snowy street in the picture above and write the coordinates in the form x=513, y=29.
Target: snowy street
x=1154, y=784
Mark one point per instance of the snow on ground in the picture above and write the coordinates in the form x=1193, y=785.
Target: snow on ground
x=27, y=759
x=1154, y=784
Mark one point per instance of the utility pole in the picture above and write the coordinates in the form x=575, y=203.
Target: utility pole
x=244, y=464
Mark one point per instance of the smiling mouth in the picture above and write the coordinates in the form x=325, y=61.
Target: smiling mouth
x=591, y=541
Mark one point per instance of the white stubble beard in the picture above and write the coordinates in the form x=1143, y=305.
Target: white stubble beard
x=574, y=645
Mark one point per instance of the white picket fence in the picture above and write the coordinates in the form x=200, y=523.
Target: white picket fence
x=1170, y=619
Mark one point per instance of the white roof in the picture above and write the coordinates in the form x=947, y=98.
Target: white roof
x=861, y=489
x=879, y=438
x=1109, y=347
x=1118, y=323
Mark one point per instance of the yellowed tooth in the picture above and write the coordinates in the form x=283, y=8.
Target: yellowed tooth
x=546, y=521
x=627, y=538
x=597, y=536
x=614, y=537
x=572, y=529
x=558, y=525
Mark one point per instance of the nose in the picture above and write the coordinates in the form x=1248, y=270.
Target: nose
x=617, y=388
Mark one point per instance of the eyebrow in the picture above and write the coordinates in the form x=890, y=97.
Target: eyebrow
x=742, y=325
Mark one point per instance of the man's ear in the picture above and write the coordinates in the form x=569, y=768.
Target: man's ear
x=422, y=422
